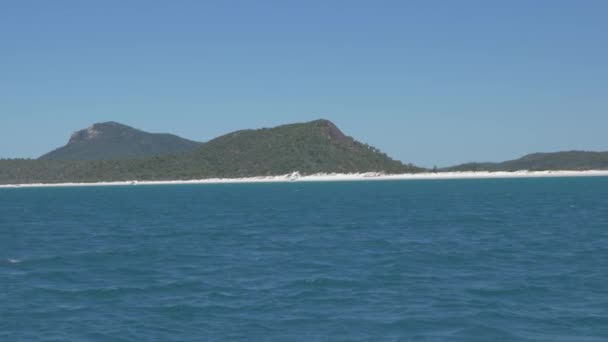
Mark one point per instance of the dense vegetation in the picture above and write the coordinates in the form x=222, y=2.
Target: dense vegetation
x=111, y=140
x=309, y=148
x=570, y=160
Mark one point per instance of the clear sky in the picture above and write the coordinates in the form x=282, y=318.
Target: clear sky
x=428, y=82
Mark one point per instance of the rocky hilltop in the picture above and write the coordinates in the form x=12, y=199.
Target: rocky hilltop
x=112, y=140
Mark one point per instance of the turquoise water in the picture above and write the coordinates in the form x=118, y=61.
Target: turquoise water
x=453, y=260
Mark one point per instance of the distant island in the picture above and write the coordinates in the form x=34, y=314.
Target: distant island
x=107, y=152
x=568, y=160
x=113, y=152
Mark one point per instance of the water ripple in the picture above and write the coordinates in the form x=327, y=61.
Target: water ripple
x=395, y=261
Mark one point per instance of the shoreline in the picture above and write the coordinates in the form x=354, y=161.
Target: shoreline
x=336, y=177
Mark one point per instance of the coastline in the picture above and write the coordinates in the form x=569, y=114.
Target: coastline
x=336, y=177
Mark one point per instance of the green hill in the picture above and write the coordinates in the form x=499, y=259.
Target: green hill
x=111, y=140
x=313, y=147
x=569, y=160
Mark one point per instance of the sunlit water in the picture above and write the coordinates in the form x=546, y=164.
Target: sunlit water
x=440, y=260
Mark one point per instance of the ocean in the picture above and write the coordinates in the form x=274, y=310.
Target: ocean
x=419, y=260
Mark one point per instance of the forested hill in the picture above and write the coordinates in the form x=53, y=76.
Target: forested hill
x=112, y=140
x=569, y=160
x=313, y=147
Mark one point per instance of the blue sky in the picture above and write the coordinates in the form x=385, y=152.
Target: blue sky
x=428, y=82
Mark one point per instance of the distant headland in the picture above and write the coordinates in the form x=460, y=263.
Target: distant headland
x=113, y=152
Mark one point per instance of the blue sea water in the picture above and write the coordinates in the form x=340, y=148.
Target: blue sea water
x=430, y=260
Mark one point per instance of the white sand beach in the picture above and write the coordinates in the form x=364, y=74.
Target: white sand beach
x=337, y=177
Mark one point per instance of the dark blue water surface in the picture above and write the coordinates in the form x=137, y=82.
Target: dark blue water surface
x=450, y=260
